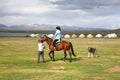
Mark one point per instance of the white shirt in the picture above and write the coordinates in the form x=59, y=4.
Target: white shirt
x=40, y=46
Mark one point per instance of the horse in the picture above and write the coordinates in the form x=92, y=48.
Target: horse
x=63, y=45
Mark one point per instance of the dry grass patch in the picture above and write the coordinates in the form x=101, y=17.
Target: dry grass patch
x=113, y=69
x=56, y=67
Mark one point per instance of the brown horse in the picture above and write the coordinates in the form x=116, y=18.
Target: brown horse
x=63, y=45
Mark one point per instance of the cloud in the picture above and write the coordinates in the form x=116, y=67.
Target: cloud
x=94, y=7
x=83, y=13
x=24, y=7
x=12, y=19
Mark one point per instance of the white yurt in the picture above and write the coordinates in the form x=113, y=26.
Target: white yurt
x=98, y=36
x=50, y=35
x=67, y=36
x=112, y=35
x=81, y=36
x=37, y=35
x=74, y=36
x=108, y=36
x=89, y=36
x=32, y=35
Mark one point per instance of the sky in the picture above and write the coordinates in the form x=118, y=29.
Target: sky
x=82, y=13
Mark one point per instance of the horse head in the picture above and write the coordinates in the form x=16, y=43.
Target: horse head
x=43, y=38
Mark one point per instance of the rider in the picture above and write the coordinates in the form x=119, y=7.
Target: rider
x=57, y=36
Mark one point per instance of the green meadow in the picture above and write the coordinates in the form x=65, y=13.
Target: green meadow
x=18, y=60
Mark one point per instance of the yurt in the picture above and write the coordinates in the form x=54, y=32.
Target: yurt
x=50, y=35
x=67, y=36
x=32, y=35
x=112, y=35
x=74, y=36
x=37, y=35
x=98, y=36
x=89, y=36
x=81, y=36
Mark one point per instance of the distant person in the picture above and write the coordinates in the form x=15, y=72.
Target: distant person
x=57, y=36
x=41, y=48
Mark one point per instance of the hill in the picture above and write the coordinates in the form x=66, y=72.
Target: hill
x=44, y=27
x=77, y=32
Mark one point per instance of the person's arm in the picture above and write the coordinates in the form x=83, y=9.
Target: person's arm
x=56, y=33
x=43, y=46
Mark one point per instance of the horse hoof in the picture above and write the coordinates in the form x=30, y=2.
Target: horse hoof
x=53, y=60
x=64, y=60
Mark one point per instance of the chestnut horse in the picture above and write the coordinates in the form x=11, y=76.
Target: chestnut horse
x=63, y=45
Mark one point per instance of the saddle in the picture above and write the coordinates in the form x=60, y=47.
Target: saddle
x=57, y=43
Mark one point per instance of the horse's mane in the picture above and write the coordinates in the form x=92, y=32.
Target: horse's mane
x=49, y=38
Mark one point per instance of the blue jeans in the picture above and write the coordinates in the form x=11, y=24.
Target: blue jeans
x=55, y=42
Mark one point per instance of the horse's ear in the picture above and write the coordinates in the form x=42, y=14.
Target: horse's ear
x=45, y=35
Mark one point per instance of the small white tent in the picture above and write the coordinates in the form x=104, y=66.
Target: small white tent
x=50, y=35
x=81, y=36
x=89, y=36
x=67, y=36
x=112, y=35
x=74, y=36
x=98, y=36
x=32, y=35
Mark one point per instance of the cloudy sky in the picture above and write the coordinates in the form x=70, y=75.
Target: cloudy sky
x=83, y=13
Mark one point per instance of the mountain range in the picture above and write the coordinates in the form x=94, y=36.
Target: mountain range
x=44, y=27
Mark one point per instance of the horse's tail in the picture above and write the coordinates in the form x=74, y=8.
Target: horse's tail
x=71, y=46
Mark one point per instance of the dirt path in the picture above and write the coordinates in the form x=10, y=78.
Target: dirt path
x=113, y=69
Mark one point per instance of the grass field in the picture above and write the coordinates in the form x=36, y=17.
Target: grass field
x=18, y=60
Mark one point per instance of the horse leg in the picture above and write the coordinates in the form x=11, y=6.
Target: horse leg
x=50, y=55
x=70, y=56
x=65, y=55
x=53, y=56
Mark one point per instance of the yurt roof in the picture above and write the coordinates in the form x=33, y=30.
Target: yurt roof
x=66, y=36
x=89, y=36
x=81, y=36
x=74, y=36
